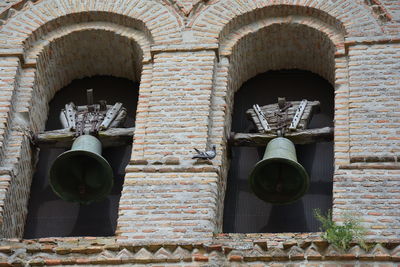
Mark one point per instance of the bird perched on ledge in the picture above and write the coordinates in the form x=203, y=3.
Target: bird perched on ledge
x=209, y=154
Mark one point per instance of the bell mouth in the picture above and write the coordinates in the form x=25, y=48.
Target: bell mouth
x=279, y=180
x=81, y=176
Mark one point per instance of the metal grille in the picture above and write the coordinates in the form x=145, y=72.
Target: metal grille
x=48, y=215
x=243, y=211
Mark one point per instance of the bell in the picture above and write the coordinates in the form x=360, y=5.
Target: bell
x=278, y=178
x=82, y=174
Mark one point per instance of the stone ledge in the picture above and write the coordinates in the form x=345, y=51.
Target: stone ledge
x=371, y=40
x=370, y=166
x=171, y=168
x=185, y=47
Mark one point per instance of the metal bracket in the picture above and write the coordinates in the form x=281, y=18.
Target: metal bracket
x=298, y=115
x=89, y=95
x=112, y=113
x=263, y=119
x=92, y=118
x=67, y=116
x=282, y=116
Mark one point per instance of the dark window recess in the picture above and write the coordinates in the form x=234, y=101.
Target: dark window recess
x=50, y=216
x=243, y=211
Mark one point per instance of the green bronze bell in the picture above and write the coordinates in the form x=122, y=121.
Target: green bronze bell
x=82, y=174
x=278, y=178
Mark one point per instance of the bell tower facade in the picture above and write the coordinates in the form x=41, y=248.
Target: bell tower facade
x=189, y=60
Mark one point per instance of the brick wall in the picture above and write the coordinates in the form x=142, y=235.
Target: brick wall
x=374, y=101
x=373, y=194
x=178, y=105
x=177, y=206
x=190, y=57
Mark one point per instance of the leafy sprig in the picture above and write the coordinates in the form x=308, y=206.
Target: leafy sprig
x=341, y=235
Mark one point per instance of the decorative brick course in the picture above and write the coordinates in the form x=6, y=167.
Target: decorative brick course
x=101, y=251
x=379, y=10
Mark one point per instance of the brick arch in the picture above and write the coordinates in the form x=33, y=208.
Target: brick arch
x=223, y=17
x=286, y=13
x=266, y=30
x=82, y=53
x=296, y=41
x=116, y=23
x=49, y=62
x=281, y=44
x=153, y=18
x=253, y=49
x=141, y=42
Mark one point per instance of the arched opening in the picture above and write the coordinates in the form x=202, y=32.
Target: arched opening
x=108, y=63
x=48, y=214
x=243, y=211
x=295, y=60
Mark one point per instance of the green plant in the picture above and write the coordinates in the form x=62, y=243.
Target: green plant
x=341, y=235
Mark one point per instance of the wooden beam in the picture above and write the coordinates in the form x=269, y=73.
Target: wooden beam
x=64, y=138
x=304, y=137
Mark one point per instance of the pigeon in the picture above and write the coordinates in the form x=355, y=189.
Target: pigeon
x=210, y=154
